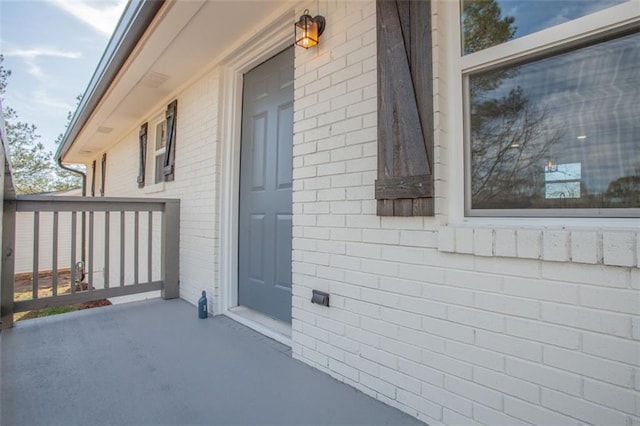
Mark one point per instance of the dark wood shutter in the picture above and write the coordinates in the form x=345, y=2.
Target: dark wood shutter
x=103, y=172
x=170, y=154
x=93, y=178
x=405, y=109
x=142, y=165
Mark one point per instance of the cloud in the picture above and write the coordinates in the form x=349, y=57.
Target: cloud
x=42, y=98
x=35, y=70
x=34, y=53
x=100, y=16
x=31, y=55
x=40, y=103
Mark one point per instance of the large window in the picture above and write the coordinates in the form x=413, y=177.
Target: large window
x=551, y=131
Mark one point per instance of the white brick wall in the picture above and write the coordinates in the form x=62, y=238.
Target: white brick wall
x=196, y=180
x=451, y=324
x=454, y=325
x=591, y=246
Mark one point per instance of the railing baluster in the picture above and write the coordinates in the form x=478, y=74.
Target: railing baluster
x=136, y=247
x=90, y=266
x=122, y=249
x=167, y=210
x=7, y=292
x=36, y=253
x=73, y=252
x=106, y=249
x=150, y=249
x=54, y=257
x=170, y=242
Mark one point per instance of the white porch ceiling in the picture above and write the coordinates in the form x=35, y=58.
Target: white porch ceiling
x=185, y=38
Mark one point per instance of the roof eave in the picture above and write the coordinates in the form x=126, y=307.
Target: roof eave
x=136, y=18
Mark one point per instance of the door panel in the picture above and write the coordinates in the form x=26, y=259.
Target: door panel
x=284, y=164
x=256, y=235
x=264, y=238
x=258, y=153
x=283, y=257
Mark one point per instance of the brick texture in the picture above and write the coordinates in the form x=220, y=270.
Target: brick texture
x=197, y=176
x=452, y=324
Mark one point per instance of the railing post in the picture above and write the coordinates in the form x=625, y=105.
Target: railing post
x=8, y=263
x=170, y=253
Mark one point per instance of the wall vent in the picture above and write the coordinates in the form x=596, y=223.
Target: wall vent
x=154, y=80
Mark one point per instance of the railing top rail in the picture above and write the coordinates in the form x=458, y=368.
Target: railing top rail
x=65, y=203
x=95, y=199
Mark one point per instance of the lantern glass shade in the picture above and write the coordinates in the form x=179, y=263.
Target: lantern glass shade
x=306, y=32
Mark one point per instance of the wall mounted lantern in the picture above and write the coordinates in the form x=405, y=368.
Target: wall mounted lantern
x=309, y=29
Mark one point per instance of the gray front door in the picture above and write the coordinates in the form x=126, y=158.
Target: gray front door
x=266, y=157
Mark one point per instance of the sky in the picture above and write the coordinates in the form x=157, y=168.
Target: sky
x=52, y=48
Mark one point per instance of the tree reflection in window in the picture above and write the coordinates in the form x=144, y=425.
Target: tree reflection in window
x=505, y=127
x=578, y=107
x=488, y=23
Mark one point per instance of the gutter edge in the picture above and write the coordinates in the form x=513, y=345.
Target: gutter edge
x=133, y=23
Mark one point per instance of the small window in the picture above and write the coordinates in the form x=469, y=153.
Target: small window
x=160, y=150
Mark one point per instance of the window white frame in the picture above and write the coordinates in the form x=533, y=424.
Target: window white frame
x=586, y=29
x=159, y=151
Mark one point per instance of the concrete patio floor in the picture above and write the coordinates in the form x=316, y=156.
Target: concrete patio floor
x=155, y=362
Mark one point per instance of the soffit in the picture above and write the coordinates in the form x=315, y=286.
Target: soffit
x=185, y=39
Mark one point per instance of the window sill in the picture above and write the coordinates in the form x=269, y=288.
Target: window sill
x=589, y=245
x=153, y=189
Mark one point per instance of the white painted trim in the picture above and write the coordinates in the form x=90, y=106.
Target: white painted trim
x=264, y=324
x=260, y=328
x=266, y=44
x=153, y=188
x=449, y=12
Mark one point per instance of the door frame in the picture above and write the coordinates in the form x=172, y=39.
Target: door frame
x=265, y=44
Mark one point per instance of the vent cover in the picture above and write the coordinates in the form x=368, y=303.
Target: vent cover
x=154, y=80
